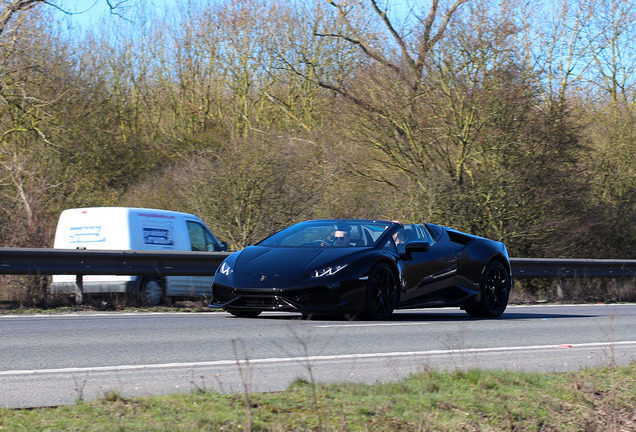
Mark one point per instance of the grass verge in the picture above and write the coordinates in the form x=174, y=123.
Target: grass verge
x=602, y=399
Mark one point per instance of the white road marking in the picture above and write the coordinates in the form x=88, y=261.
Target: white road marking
x=276, y=360
x=95, y=314
x=223, y=314
x=373, y=324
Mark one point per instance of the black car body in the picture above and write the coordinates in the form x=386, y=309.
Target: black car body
x=383, y=266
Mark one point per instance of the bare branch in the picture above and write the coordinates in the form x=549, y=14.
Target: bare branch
x=427, y=42
x=363, y=47
x=15, y=7
x=357, y=40
x=394, y=33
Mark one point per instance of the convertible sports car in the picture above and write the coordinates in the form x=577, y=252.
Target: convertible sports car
x=366, y=268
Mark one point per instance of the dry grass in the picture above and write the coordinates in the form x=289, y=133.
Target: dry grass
x=592, y=400
x=14, y=296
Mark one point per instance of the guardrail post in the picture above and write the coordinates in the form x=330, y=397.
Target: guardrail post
x=559, y=287
x=79, y=289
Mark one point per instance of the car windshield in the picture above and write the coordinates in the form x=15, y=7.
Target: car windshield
x=329, y=233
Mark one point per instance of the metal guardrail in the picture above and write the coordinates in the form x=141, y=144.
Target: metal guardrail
x=43, y=261
x=529, y=268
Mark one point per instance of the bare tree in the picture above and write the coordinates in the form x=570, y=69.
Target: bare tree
x=11, y=8
x=446, y=109
x=607, y=105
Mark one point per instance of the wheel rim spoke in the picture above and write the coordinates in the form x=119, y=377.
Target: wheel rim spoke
x=497, y=284
x=382, y=292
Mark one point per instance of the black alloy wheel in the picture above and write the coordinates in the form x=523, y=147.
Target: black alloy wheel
x=495, y=290
x=382, y=292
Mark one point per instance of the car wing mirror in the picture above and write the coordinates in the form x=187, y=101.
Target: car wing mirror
x=415, y=246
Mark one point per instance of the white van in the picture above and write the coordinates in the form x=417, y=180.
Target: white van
x=125, y=228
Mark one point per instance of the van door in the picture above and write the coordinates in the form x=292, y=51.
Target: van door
x=201, y=239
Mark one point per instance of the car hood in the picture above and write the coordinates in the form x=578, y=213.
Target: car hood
x=271, y=266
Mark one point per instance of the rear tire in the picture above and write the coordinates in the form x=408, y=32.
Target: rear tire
x=495, y=290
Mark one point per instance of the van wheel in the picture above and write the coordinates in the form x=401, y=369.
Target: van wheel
x=151, y=292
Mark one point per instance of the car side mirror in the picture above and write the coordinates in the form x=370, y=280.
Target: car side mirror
x=223, y=246
x=415, y=246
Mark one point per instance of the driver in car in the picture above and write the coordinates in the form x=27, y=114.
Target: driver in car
x=342, y=236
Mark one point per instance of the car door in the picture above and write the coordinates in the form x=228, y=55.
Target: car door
x=426, y=274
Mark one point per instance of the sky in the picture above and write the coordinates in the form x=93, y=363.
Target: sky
x=91, y=13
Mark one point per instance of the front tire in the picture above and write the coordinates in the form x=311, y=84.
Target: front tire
x=495, y=289
x=381, y=292
x=151, y=292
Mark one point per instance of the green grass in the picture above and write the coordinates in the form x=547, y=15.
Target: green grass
x=589, y=400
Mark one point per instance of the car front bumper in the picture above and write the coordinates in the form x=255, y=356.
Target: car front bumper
x=343, y=296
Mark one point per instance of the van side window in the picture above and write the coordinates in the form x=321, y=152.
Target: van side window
x=200, y=238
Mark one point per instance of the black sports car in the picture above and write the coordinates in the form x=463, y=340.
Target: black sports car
x=364, y=267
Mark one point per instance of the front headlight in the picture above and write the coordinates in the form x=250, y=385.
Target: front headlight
x=225, y=269
x=329, y=271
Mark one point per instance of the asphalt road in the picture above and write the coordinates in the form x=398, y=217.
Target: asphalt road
x=49, y=360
